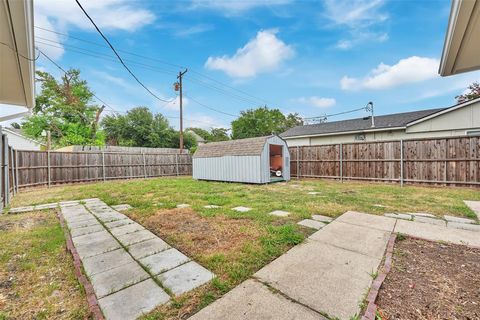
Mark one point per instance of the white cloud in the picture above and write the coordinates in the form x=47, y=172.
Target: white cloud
x=409, y=70
x=203, y=121
x=192, y=30
x=175, y=104
x=235, y=6
x=358, y=17
x=262, y=54
x=318, y=102
x=108, y=14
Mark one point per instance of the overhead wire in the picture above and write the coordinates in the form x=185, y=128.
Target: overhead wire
x=18, y=53
x=116, y=53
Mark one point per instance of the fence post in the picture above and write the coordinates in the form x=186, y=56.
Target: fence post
x=103, y=165
x=16, y=169
x=48, y=168
x=12, y=171
x=298, y=162
x=176, y=162
x=341, y=162
x=144, y=165
x=401, y=162
x=5, y=171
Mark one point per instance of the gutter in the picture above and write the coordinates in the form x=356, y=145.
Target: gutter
x=344, y=132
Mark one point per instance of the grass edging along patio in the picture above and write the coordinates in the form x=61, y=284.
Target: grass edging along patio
x=234, y=245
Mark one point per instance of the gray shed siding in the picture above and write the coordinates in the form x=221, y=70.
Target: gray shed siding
x=241, y=168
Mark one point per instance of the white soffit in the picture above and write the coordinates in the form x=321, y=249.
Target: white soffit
x=17, y=53
x=461, y=51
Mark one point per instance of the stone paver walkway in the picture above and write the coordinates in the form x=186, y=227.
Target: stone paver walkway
x=127, y=264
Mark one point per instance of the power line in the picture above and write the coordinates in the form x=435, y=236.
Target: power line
x=116, y=53
x=18, y=53
x=156, y=60
x=211, y=108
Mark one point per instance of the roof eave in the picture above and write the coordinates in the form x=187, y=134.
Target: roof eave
x=344, y=132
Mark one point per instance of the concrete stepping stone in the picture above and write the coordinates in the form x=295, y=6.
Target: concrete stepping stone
x=423, y=214
x=253, y=300
x=367, y=220
x=241, y=209
x=83, y=223
x=132, y=302
x=96, y=247
x=321, y=218
x=147, y=248
x=122, y=207
x=183, y=206
x=429, y=220
x=309, y=223
x=403, y=216
x=46, y=206
x=458, y=219
x=313, y=193
x=21, y=209
x=185, y=277
x=75, y=232
x=80, y=218
x=379, y=206
x=135, y=237
x=118, y=223
x=211, y=206
x=279, y=213
x=474, y=206
x=115, y=279
x=464, y=226
x=106, y=261
x=108, y=217
x=129, y=228
x=164, y=261
x=98, y=237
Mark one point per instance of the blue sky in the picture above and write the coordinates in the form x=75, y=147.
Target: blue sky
x=308, y=57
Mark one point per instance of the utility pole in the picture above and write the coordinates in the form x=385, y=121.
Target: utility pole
x=178, y=87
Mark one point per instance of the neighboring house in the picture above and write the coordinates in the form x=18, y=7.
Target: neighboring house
x=459, y=120
x=197, y=137
x=20, y=142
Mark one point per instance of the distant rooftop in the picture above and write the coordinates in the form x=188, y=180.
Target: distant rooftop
x=381, y=122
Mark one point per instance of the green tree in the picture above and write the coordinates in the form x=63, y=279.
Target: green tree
x=140, y=128
x=261, y=122
x=473, y=93
x=66, y=109
x=215, y=134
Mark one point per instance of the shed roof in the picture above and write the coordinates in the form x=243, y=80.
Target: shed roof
x=381, y=122
x=240, y=147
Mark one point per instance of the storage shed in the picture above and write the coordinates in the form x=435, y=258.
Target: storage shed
x=252, y=160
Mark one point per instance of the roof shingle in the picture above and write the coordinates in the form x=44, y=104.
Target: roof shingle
x=241, y=147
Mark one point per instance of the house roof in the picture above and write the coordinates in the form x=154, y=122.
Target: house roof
x=18, y=132
x=197, y=137
x=397, y=120
x=241, y=147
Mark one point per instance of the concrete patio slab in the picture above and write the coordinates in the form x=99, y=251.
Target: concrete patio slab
x=474, y=206
x=183, y=206
x=86, y=239
x=279, y=213
x=252, y=300
x=429, y=220
x=135, y=237
x=47, y=206
x=118, y=223
x=402, y=216
x=115, y=279
x=314, y=224
x=458, y=219
x=132, y=302
x=186, y=277
x=241, y=209
x=367, y=241
x=75, y=232
x=313, y=193
x=108, y=217
x=437, y=233
x=367, y=220
x=21, y=209
x=80, y=218
x=106, y=261
x=122, y=207
x=464, y=226
x=323, y=277
x=164, y=261
x=322, y=218
x=129, y=228
x=147, y=248
x=423, y=214
x=83, y=223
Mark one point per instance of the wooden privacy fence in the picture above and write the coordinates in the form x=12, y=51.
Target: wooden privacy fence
x=36, y=168
x=447, y=161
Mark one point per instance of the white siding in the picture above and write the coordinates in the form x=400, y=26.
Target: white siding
x=21, y=143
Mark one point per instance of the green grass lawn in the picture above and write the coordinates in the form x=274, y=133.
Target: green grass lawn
x=234, y=245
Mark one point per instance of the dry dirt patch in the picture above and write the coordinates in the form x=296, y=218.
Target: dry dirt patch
x=199, y=236
x=431, y=280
